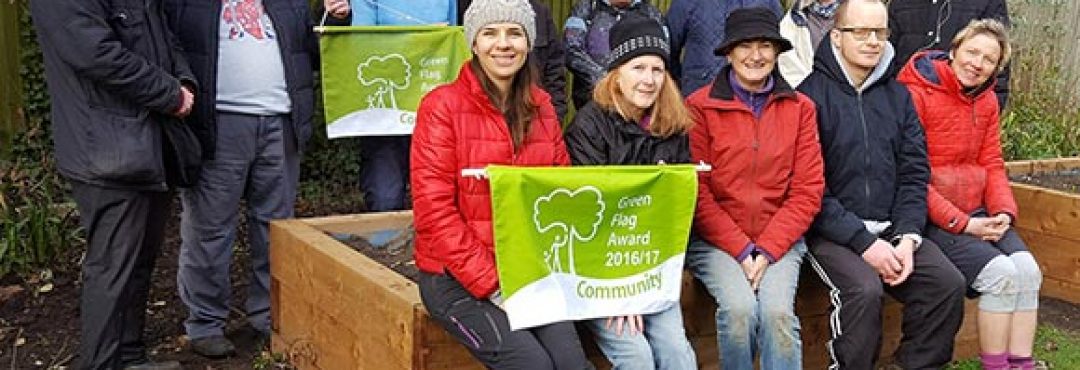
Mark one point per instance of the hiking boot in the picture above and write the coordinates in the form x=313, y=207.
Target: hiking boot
x=214, y=346
x=148, y=365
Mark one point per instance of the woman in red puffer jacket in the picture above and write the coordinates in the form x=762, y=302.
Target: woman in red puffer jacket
x=492, y=114
x=971, y=205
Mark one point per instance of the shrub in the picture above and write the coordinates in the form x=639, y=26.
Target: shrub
x=1042, y=119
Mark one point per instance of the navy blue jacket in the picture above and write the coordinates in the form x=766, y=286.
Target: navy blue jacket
x=872, y=142
x=196, y=23
x=114, y=75
x=697, y=29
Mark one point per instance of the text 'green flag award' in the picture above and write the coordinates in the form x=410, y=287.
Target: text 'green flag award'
x=374, y=76
x=574, y=243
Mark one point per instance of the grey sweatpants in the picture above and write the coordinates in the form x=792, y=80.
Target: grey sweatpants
x=255, y=160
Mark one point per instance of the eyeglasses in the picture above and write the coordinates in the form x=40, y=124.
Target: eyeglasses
x=863, y=33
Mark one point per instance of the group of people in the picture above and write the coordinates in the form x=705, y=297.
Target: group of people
x=843, y=168
x=826, y=143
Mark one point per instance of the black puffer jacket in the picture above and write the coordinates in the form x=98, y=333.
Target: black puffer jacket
x=932, y=24
x=876, y=166
x=114, y=76
x=196, y=24
x=598, y=137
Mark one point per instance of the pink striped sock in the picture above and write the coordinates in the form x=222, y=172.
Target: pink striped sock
x=1021, y=362
x=994, y=361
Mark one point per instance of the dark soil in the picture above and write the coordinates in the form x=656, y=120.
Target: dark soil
x=1068, y=181
x=39, y=314
x=397, y=254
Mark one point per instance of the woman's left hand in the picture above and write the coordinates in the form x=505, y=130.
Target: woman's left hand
x=635, y=322
x=760, y=263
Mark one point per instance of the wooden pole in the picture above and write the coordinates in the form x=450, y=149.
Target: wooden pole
x=10, y=94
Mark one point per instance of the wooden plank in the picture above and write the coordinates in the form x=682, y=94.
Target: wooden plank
x=1048, y=211
x=360, y=224
x=1059, y=260
x=1041, y=166
x=338, y=289
x=436, y=349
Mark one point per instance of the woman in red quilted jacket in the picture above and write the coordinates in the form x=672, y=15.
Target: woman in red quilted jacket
x=492, y=114
x=971, y=206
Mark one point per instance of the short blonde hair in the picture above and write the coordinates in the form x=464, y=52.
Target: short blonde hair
x=990, y=27
x=669, y=113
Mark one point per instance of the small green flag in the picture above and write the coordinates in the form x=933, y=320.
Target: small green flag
x=574, y=243
x=374, y=76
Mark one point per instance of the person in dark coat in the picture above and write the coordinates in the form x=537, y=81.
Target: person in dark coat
x=697, y=27
x=931, y=24
x=586, y=33
x=255, y=60
x=866, y=241
x=636, y=116
x=549, y=58
x=119, y=86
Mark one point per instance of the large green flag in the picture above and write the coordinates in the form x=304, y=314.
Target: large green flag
x=374, y=76
x=574, y=243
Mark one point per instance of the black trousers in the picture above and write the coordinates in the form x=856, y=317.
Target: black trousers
x=483, y=328
x=933, y=299
x=124, y=231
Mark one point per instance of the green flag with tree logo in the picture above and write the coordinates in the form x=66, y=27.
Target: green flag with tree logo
x=374, y=76
x=574, y=243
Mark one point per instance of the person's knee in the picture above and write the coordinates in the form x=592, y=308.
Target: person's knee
x=1028, y=274
x=779, y=318
x=996, y=285
x=999, y=276
x=740, y=310
x=866, y=290
x=1028, y=281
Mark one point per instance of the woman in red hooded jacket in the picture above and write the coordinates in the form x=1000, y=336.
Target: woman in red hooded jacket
x=492, y=114
x=971, y=206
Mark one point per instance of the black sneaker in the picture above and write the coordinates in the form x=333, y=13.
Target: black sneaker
x=214, y=346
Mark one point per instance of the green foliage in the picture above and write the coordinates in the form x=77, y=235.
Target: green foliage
x=331, y=168
x=270, y=361
x=36, y=220
x=1057, y=348
x=1042, y=119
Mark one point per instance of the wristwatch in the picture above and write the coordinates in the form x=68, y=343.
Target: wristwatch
x=916, y=238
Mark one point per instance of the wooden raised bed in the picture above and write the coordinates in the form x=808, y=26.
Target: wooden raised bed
x=334, y=308
x=1049, y=223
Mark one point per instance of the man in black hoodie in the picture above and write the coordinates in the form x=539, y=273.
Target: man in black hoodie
x=866, y=240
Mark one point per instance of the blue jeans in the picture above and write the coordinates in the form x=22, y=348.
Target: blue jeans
x=748, y=323
x=384, y=171
x=663, y=345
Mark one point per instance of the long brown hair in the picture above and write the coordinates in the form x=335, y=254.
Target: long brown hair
x=669, y=114
x=518, y=107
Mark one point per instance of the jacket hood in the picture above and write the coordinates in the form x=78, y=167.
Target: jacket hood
x=827, y=61
x=930, y=69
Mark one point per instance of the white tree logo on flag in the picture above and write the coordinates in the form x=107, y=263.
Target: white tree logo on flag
x=374, y=71
x=588, y=203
